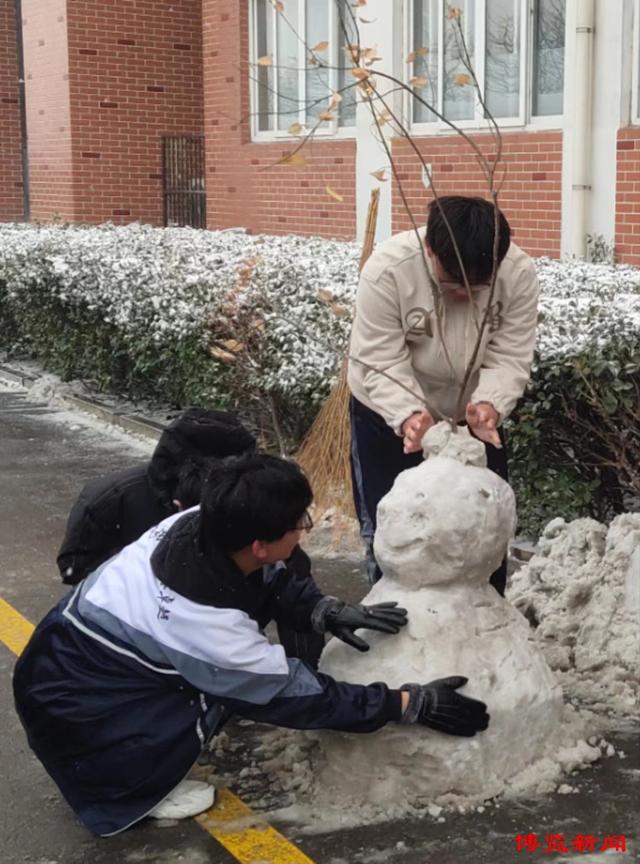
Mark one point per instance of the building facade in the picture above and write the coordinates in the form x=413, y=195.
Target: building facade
x=136, y=110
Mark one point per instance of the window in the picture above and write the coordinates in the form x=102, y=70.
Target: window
x=504, y=43
x=289, y=86
x=548, y=57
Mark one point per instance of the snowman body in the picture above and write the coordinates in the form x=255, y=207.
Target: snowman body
x=442, y=530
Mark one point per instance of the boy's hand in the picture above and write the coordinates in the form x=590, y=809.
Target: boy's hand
x=343, y=619
x=482, y=418
x=413, y=430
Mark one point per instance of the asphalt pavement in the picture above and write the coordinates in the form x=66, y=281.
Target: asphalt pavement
x=46, y=453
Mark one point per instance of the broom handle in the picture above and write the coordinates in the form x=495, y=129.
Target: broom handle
x=370, y=230
x=367, y=249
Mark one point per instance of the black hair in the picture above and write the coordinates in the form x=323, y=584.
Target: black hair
x=472, y=222
x=251, y=497
x=191, y=477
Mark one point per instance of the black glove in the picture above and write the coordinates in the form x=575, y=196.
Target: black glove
x=334, y=616
x=439, y=706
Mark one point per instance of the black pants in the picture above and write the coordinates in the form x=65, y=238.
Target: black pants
x=377, y=457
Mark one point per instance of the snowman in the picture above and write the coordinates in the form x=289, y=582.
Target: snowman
x=442, y=530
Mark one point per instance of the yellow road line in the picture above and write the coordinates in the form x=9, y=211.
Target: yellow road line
x=15, y=630
x=230, y=821
x=246, y=835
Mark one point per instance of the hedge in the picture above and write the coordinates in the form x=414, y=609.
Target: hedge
x=260, y=323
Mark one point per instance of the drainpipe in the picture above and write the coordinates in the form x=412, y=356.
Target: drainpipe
x=581, y=156
x=26, y=203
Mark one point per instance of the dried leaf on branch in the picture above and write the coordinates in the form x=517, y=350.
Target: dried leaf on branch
x=412, y=56
x=418, y=81
x=234, y=346
x=339, y=310
x=321, y=46
x=326, y=295
x=221, y=354
x=353, y=52
x=333, y=194
x=380, y=174
x=296, y=159
x=462, y=79
x=370, y=56
x=267, y=60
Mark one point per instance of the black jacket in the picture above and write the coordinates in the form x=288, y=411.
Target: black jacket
x=115, y=510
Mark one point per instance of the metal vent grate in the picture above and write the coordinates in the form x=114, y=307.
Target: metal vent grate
x=183, y=181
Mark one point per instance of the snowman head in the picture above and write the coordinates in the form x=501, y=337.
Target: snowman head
x=448, y=520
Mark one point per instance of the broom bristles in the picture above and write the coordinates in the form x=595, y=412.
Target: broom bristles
x=324, y=454
x=325, y=451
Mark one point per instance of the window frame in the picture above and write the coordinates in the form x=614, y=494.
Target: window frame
x=525, y=120
x=327, y=130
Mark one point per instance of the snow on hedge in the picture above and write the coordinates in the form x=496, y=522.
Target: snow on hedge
x=159, y=284
x=583, y=306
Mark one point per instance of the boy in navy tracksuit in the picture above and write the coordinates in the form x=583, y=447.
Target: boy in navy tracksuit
x=126, y=679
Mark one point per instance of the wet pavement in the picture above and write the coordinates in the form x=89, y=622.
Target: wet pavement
x=46, y=453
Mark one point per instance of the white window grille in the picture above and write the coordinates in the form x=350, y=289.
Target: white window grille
x=514, y=48
x=289, y=89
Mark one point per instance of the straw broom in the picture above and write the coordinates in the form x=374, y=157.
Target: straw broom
x=325, y=450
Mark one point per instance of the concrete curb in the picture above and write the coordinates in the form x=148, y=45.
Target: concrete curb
x=16, y=376
x=134, y=423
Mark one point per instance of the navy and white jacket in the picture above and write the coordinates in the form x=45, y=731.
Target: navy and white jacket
x=128, y=676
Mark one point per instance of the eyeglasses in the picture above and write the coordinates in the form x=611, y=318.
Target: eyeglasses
x=305, y=523
x=451, y=285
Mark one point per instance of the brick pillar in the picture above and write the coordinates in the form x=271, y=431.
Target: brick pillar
x=105, y=83
x=46, y=65
x=10, y=135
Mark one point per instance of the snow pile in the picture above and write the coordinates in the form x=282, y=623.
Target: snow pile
x=581, y=592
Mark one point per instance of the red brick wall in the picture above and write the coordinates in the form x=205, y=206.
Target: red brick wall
x=105, y=82
x=48, y=117
x=10, y=136
x=530, y=195
x=242, y=190
x=627, y=194
x=136, y=75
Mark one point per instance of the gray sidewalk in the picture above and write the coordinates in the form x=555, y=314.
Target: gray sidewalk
x=46, y=453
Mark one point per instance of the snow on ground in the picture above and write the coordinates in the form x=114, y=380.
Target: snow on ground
x=49, y=390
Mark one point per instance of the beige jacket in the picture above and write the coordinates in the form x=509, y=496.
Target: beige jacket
x=395, y=330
